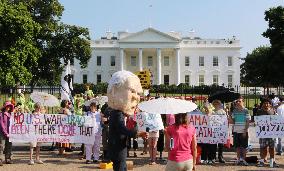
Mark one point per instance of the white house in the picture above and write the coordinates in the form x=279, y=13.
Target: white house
x=171, y=57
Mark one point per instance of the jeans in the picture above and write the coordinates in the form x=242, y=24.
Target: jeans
x=5, y=149
x=279, y=146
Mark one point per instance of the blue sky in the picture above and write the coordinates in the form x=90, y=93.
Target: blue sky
x=209, y=18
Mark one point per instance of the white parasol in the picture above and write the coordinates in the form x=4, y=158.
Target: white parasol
x=93, y=100
x=44, y=99
x=167, y=106
x=100, y=100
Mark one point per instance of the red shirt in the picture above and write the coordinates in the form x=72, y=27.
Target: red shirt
x=182, y=136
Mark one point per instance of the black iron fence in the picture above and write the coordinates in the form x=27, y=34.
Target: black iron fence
x=251, y=95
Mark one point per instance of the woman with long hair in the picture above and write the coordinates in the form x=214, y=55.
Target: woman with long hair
x=183, y=150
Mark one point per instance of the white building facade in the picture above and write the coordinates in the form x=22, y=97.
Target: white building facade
x=171, y=58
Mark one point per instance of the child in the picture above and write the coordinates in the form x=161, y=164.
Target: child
x=36, y=145
x=95, y=148
x=4, y=132
x=240, y=119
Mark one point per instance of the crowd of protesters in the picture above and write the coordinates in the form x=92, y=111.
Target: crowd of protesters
x=182, y=155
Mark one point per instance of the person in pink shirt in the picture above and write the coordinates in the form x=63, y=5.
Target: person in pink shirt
x=183, y=148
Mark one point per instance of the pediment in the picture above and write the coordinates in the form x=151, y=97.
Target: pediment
x=150, y=35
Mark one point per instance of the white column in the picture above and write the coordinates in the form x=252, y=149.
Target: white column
x=159, y=77
x=121, y=59
x=140, y=62
x=177, y=66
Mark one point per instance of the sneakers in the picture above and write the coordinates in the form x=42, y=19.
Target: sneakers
x=275, y=164
x=244, y=163
x=39, y=162
x=1, y=162
x=88, y=162
x=31, y=162
x=260, y=164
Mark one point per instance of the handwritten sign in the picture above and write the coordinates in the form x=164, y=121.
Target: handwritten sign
x=211, y=129
x=269, y=126
x=152, y=121
x=26, y=127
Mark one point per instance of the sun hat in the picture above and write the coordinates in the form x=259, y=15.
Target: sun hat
x=8, y=103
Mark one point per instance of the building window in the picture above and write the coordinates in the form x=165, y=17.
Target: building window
x=166, y=61
x=133, y=60
x=201, y=60
x=187, y=79
x=99, y=78
x=201, y=80
x=166, y=79
x=215, y=60
x=150, y=61
x=186, y=61
x=230, y=61
x=99, y=61
x=230, y=80
x=85, y=78
x=112, y=61
x=215, y=79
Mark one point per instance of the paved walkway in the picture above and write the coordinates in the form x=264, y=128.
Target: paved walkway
x=53, y=162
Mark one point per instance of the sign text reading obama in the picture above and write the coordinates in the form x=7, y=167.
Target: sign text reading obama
x=211, y=129
x=26, y=127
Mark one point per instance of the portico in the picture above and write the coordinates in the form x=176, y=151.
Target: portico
x=150, y=49
x=138, y=59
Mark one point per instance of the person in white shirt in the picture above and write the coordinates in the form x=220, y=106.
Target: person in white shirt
x=94, y=148
x=280, y=111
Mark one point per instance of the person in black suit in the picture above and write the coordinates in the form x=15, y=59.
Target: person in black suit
x=123, y=96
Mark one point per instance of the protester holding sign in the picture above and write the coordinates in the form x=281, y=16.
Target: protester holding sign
x=64, y=110
x=266, y=109
x=35, y=144
x=241, y=118
x=4, y=132
x=183, y=151
x=218, y=110
x=208, y=153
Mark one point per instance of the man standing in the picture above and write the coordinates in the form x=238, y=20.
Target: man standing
x=123, y=96
x=280, y=111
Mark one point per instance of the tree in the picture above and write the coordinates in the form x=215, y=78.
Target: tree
x=275, y=33
x=255, y=69
x=56, y=41
x=18, y=51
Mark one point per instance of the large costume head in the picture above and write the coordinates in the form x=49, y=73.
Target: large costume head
x=123, y=92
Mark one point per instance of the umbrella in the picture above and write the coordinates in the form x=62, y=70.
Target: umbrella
x=167, y=106
x=224, y=96
x=93, y=100
x=44, y=99
x=101, y=100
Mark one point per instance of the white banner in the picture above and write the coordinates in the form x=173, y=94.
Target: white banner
x=211, y=129
x=152, y=121
x=269, y=126
x=26, y=127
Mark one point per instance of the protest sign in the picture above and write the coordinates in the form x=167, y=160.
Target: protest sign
x=211, y=129
x=152, y=121
x=269, y=126
x=26, y=127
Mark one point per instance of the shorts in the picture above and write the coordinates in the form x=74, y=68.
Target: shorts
x=185, y=165
x=34, y=144
x=267, y=142
x=240, y=140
